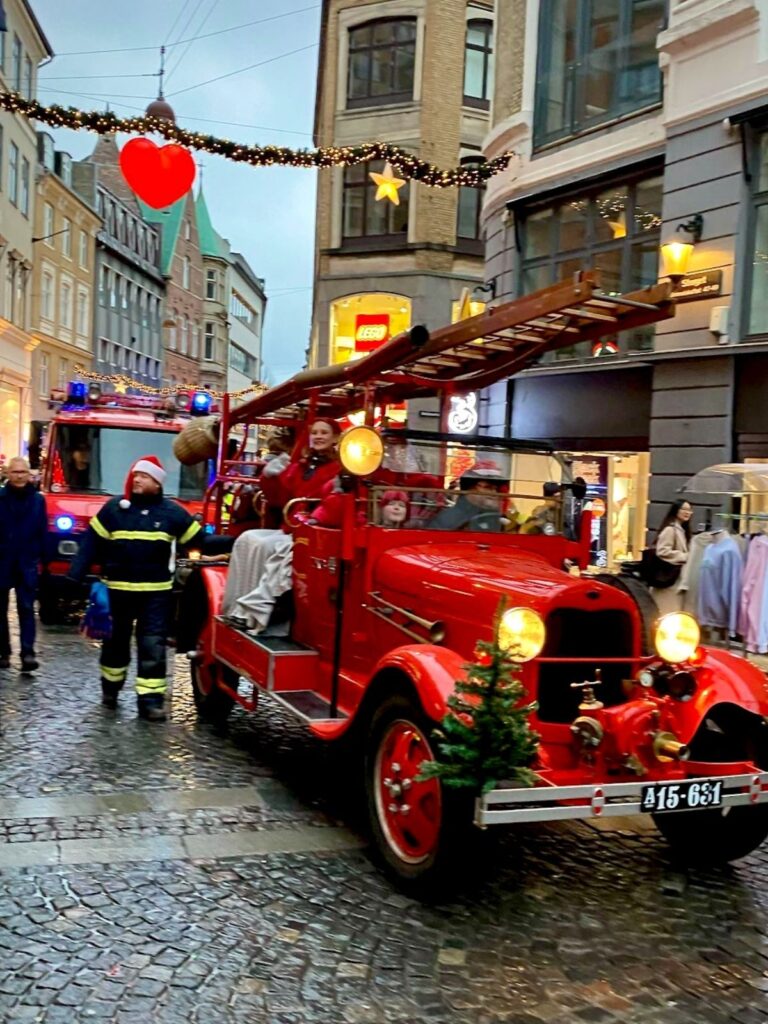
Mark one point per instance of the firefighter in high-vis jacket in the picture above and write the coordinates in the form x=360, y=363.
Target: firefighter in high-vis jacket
x=131, y=537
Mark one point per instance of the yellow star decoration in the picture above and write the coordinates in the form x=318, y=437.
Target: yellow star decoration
x=121, y=389
x=387, y=184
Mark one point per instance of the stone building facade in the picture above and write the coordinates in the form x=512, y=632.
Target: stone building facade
x=634, y=124
x=417, y=73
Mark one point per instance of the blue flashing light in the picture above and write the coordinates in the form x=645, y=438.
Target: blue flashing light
x=208, y=528
x=64, y=523
x=200, y=404
x=77, y=392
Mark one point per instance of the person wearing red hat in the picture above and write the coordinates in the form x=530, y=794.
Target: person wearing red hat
x=131, y=537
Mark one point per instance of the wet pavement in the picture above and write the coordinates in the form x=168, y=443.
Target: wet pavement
x=167, y=874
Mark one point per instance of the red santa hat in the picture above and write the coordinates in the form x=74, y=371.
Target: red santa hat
x=149, y=464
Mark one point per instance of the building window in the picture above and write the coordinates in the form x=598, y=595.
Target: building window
x=114, y=281
x=16, y=65
x=241, y=309
x=758, y=298
x=195, y=341
x=63, y=373
x=66, y=238
x=210, y=284
x=123, y=294
x=615, y=230
x=172, y=331
x=48, y=222
x=42, y=375
x=241, y=361
x=26, y=85
x=84, y=250
x=13, y=173
x=185, y=272
x=24, y=196
x=66, y=305
x=142, y=306
x=128, y=304
x=365, y=217
x=187, y=229
x=597, y=61
x=2, y=51
x=82, y=312
x=210, y=337
x=382, y=59
x=46, y=296
x=184, y=335
x=478, y=64
x=469, y=206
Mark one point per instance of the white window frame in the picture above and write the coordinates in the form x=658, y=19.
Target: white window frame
x=83, y=255
x=82, y=325
x=47, y=297
x=49, y=219
x=43, y=388
x=65, y=309
x=66, y=239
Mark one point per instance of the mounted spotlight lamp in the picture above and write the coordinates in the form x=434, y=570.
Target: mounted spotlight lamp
x=677, y=254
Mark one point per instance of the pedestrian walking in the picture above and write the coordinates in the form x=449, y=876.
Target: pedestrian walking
x=131, y=537
x=672, y=542
x=23, y=526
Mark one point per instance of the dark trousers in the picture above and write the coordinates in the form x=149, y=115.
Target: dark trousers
x=150, y=611
x=24, y=582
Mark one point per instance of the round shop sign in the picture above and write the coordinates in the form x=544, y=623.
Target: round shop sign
x=598, y=508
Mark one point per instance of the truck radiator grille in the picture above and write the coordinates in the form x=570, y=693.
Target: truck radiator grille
x=573, y=633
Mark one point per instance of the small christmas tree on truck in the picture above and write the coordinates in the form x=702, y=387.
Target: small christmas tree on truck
x=485, y=738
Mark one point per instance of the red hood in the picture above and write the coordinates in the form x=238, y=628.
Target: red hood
x=460, y=577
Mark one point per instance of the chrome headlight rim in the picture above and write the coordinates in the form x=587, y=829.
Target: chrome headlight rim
x=514, y=624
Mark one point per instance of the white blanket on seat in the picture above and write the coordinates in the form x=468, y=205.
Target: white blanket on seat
x=259, y=572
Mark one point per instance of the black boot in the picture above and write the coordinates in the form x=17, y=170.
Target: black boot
x=151, y=709
x=29, y=663
x=109, y=692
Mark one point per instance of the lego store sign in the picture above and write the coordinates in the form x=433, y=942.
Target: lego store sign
x=371, y=331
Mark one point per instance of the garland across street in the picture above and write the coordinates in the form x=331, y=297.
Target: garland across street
x=406, y=164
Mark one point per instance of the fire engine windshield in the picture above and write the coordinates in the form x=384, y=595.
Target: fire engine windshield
x=437, y=484
x=94, y=460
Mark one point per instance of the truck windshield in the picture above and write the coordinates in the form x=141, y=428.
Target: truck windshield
x=94, y=460
x=452, y=485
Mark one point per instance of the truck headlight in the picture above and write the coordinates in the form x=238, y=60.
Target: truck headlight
x=677, y=637
x=361, y=450
x=522, y=633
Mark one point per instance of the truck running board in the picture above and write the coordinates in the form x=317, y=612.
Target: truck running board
x=307, y=705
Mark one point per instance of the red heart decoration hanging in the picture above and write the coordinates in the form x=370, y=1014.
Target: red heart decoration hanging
x=157, y=174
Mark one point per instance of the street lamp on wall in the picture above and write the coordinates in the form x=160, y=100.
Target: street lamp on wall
x=676, y=253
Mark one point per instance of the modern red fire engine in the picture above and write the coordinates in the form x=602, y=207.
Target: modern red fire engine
x=92, y=440
x=634, y=716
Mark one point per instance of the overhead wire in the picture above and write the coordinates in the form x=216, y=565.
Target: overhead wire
x=181, y=117
x=240, y=71
x=191, y=43
x=180, y=42
x=176, y=20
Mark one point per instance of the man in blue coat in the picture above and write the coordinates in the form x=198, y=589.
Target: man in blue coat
x=23, y=526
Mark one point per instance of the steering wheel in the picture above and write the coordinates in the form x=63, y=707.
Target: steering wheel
x=291, y=516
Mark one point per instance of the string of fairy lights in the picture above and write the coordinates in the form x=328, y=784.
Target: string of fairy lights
x=406, y=164
x=121, y=382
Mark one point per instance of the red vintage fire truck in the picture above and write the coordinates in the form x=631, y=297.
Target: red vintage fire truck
x=634, y=716
x=92, y=440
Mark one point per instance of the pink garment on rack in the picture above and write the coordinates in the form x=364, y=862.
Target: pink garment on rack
x=753, y=613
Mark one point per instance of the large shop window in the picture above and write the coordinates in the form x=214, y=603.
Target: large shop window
x=758, y=299
x=478, y=64
x=597, y=61
x=363, y=217
x=361, y=323
x=382, y=59
x=615, y=230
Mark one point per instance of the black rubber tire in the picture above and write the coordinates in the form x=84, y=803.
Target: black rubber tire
x=212, y=705
x=430, y=876
x=712, y=838
x=646, y=606
x=719, y=836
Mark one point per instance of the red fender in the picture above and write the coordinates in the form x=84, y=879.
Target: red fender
x=214, y=580
x=722, y=678
x=432, y=670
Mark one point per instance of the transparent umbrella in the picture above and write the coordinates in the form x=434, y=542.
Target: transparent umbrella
x=730, y=478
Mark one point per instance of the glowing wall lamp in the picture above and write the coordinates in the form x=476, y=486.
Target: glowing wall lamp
x=677, y=254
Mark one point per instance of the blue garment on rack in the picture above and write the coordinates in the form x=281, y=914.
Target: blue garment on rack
x=720, y=585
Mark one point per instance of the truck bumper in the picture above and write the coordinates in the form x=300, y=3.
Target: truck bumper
x=615, y=799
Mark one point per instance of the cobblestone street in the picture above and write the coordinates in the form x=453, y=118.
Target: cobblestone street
x=163, y=873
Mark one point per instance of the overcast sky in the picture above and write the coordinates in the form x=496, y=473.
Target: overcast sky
x=267, y=214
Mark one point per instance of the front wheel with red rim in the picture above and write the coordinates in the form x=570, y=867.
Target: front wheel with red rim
x=211, y=702
x=409, y=819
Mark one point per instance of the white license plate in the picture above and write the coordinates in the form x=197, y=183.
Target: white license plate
x=682, y=796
